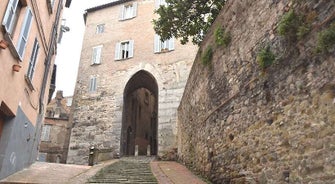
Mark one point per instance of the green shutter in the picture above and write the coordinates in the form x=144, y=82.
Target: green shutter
x=21, y=46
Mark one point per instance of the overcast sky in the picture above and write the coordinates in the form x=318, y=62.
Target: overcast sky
x=68, y=53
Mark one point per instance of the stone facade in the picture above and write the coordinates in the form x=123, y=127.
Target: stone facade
x=56, y=130
x=241, y=124
x=30, y=30
x=97, y=114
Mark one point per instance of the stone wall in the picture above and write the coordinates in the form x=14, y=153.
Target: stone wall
x=241, y=124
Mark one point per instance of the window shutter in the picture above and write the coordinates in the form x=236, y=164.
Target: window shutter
x=157, y=44
x=135, y=9
x=33, y=59
x=98, y=55
x=10, y=11
x=45, y=133
x=94, y=56
x=122, y=12
x=157, y=3
x=171, y=43
x=131, y=48
x=117, y=51
x=93, y=84
x=21, y=46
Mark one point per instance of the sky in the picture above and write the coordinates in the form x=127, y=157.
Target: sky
x=68, y=51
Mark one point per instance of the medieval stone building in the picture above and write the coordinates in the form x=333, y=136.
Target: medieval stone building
x=129, y=83
x=56, y=130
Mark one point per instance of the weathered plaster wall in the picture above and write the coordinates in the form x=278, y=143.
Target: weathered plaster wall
x=16, y=144
x=240, y=125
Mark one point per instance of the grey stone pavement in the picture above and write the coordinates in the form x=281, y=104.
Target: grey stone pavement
x=115, y=172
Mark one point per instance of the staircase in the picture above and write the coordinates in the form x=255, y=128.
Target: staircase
x=134, y=170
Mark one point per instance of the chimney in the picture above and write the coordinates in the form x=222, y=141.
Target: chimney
x=59, y=95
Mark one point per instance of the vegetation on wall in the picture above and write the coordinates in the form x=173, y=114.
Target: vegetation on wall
x=326, y=40
x=207, y=56
x=222, y=37
x=265, y=58
x=294, y=26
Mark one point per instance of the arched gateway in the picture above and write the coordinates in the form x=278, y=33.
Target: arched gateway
x=139, y=117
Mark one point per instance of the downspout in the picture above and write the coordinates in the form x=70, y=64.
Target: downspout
x=47, y=64
x=49, y=56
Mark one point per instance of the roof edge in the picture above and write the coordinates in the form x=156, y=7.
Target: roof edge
x=106, y=5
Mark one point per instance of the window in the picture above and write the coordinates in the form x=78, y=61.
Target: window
x=124, y=50
x=160, y=3
x=128, y=11
x=9, y=21
x=93, y=84
x=69, y=101
x=100, y=28
x=46, y=133
x=42, y=157
x=163, y=46
x=21, y=46
x=33, y=58
x=96, y=57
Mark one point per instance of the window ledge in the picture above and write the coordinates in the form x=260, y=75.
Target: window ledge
x=164, y=51
x=123, y=59
x=95, y=64
x=125, y=19
x=12, y=47
x=30, y=84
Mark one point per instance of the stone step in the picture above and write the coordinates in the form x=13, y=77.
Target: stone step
x=128, y=170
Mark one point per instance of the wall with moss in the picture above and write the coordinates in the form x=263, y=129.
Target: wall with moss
x=261, y=109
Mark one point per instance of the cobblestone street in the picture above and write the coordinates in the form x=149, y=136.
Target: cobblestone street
x=134, y=170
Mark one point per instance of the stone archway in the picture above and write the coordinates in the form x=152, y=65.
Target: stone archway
x=139, y=117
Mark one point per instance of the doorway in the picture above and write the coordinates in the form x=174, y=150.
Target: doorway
x=139, y=117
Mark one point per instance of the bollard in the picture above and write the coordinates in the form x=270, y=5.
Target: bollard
x=91, y=156
x=136, y=150
x=148, y=151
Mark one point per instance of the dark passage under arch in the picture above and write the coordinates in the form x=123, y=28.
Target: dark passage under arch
x=139, y=116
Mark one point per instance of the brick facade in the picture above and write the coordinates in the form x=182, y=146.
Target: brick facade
x=56, y=130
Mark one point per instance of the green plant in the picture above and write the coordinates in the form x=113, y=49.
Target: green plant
x=294, y=26
x=288, y=24
x=326, y=39
x=303, y=30
x=222, y=37
x=207, y=56
x=265, y=58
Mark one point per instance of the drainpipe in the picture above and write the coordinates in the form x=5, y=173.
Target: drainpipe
x=49, y=56
x=47, y=64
